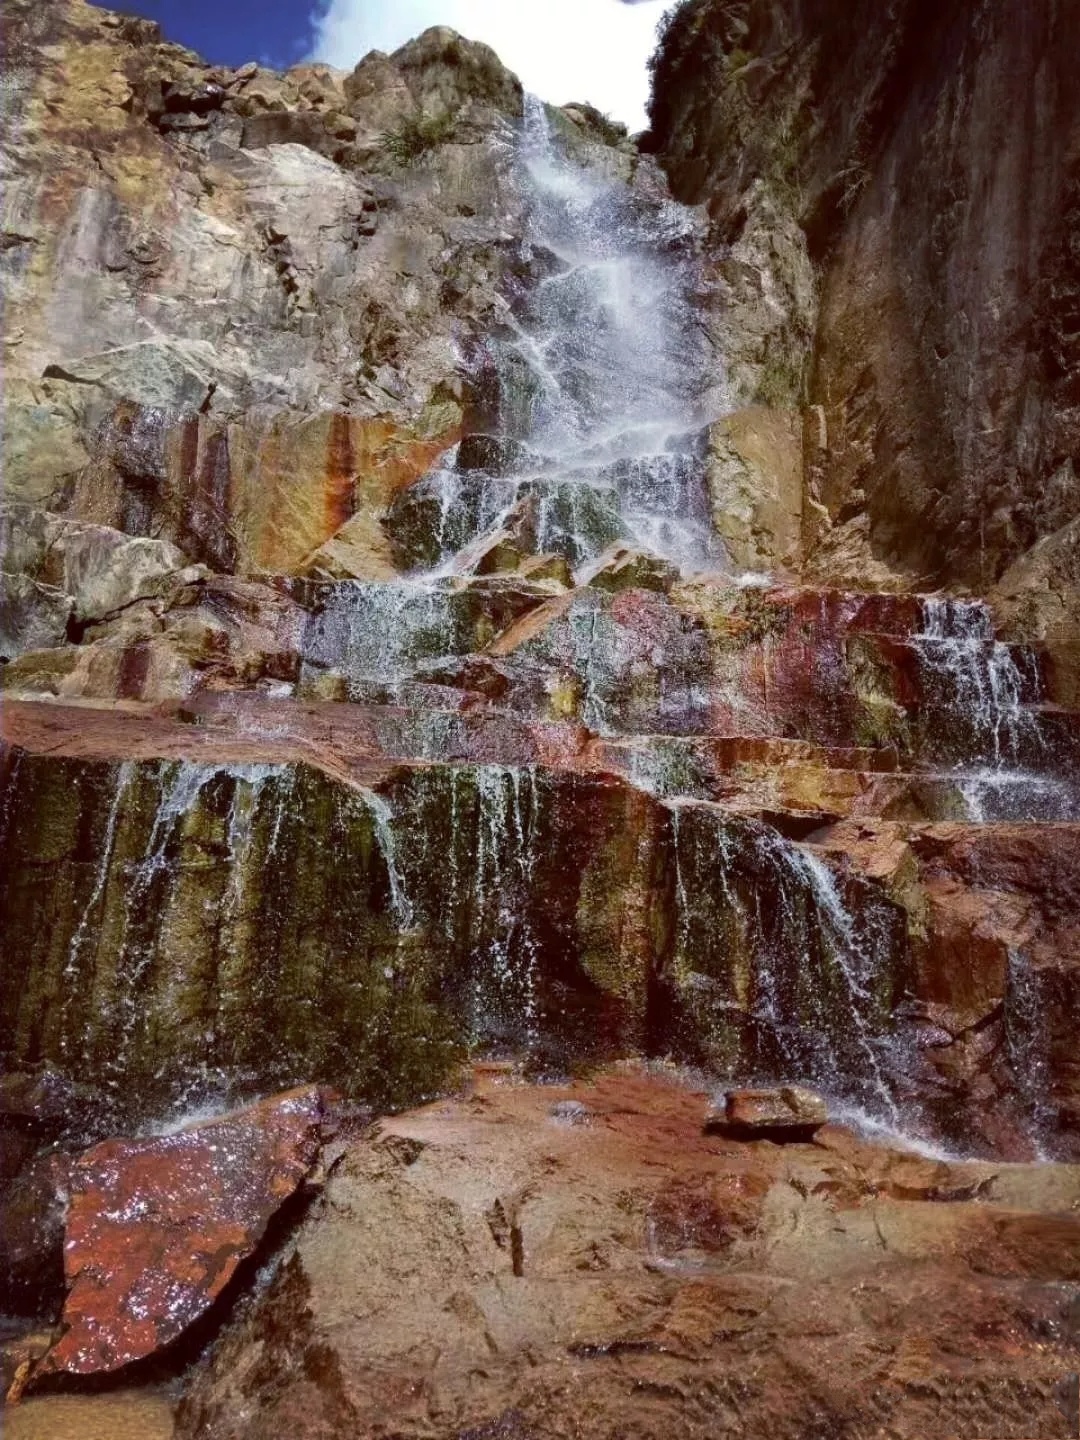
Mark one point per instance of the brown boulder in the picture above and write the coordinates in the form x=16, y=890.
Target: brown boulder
x=787, y=1114
x=156, y=1228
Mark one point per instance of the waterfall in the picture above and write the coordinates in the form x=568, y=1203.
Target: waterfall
x=596, y=398
x=84, y=929
x=259, y=800
x=247, y=793
x=978, y=715
x=1028, y=1046
x=996, y=795
x=382, y=815
x=979, y=689
x=120, y=790
x=464, y=852
x=381, y=632
x=799, y=983
x=506, y=835
x=181, y=788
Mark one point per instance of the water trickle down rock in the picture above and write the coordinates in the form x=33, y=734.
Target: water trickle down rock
x=594, y=399
x=777, y=973
x=208, y=936
x=373, y=926
x=978, y=714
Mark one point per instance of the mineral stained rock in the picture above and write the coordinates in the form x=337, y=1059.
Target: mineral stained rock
x=457, y=603
x=156, y=1228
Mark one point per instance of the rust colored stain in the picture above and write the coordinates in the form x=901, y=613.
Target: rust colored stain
x=157, y=1227
x=307, y=495
x=133, y=671
x=340, y=475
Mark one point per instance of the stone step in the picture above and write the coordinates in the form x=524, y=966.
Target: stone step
x=796, y=784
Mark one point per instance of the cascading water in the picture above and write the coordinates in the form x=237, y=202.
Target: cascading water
x=598, y=379
x=978, y=715
x=481, y=900
x=1027, y=1041
x=587, y=433
x=594, y=397
x=800, y=983
x=382, y=632
x=594, y=390
x=979, y=688
x=383, y=816
x=166, y=831
x=155, y=874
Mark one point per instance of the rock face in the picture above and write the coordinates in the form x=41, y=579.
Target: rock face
x=155, y=1229
x=930, y=965
x=247, y=253
x=572, y=790
x=940, y=387
x=486, y=1269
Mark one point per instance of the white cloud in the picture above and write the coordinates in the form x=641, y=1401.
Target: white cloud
x=562, y=50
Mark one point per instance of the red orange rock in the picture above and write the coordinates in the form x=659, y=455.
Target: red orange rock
x=157, y=1227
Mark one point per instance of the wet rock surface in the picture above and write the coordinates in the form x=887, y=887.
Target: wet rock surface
x=924, y=970
x=155, y=1229
x=480, y=1268
x=457, y=603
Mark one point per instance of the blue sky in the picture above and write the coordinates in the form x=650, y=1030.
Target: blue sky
x=230, y=32
x=562, y=49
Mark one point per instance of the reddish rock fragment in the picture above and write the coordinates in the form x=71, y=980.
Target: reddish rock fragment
x=157, y=1227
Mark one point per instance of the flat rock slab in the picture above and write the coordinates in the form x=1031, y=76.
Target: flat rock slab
x=157, y=1227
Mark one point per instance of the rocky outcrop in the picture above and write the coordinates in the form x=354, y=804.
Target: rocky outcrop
x=1038, y=598
x=929, y=966
x=248, y=249
x=389, y=950
x=756, y=487
x=908, y=159
x=486, y=1263
x=459, y=605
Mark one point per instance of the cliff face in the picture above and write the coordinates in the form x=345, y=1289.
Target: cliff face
x=234, y=301
x=930, y=154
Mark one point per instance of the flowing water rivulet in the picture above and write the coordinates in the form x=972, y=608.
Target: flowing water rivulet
x=567, y=860
x=597, y=383
x=593, y=397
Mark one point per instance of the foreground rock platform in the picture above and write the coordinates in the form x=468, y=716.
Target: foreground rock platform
x=544, y=1261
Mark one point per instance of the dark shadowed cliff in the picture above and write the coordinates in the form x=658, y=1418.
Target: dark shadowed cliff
x=931, y=154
